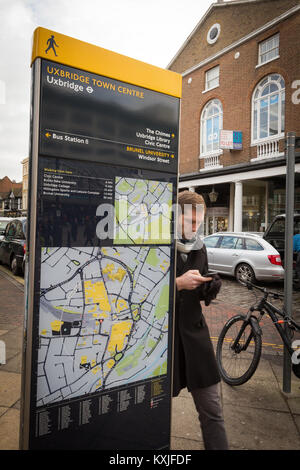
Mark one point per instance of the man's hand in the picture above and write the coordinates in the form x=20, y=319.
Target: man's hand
x=191, y=280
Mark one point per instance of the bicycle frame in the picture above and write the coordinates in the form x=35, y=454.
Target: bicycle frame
x=266, y=307
x=271, y=310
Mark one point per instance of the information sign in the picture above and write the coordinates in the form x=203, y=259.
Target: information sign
x=232, y=140
x=97, y=372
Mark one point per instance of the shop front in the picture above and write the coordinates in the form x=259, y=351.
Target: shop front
x=255, y=196
x=245, y=202
x=216, y=220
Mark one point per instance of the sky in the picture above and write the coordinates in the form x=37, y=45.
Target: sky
x=148, y=30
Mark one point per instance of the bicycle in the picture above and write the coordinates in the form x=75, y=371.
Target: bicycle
x=240, y=341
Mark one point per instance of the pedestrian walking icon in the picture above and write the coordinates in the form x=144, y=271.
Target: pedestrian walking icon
x=51, y=43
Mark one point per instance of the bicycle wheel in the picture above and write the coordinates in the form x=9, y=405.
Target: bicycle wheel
x=236, y=364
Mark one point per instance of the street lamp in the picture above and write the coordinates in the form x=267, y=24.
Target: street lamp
x=213, y=196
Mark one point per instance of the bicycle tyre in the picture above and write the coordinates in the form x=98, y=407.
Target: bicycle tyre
x=246, y=362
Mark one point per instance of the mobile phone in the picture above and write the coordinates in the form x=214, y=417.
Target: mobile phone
x=210, y=273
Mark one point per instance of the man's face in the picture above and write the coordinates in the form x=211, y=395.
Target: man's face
x=191, y=218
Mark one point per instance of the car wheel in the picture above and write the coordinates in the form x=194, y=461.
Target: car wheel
x=14, y=266
x=244, y=273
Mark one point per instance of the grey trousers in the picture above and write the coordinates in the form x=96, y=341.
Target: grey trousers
x=208, y=404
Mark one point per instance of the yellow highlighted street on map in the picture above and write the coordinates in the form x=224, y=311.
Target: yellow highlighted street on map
x=117, y=276
x=95, y=292
x=119, y=332
x=56, y=325
x=121, y=305
x=110, y=363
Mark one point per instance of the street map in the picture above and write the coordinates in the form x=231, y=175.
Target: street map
x=103, y=318
x=142, y=211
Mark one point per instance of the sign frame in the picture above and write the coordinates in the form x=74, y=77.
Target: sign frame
x=138, y=74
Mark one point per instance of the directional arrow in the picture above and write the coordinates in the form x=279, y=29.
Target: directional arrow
x=48, y=135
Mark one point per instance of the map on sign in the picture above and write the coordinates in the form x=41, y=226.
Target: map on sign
x=103, y=319
x=142, y=211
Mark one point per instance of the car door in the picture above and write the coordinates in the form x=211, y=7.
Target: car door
x=18, y=241
x=226, y=254
x=238, y=254
x=6, y=244
x=211, y=244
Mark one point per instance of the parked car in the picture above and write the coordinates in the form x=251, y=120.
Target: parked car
x=13, y=245
x=243, y=255
x=275, y=233
x=3, y=223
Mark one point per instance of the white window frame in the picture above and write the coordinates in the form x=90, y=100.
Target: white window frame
x=268, y=80
x=268, y=50
x=217, y=77
x=218, y=27
x=203, y=144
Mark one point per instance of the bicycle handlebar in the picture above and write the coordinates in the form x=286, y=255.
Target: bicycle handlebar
x=250, y=286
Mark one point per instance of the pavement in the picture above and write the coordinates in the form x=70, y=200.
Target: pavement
x=258, y=415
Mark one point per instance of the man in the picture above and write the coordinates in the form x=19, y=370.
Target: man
x=296, y=248
x=195, y=365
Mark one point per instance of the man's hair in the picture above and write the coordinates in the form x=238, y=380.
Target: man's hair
x=190, y=198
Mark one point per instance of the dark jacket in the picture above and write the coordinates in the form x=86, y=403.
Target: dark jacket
x=195, y=364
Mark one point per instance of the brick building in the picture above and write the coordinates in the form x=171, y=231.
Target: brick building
x=25, y=173
x=10, y=198
x=241, y=72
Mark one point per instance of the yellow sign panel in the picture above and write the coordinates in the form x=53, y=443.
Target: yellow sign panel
x=65, y=50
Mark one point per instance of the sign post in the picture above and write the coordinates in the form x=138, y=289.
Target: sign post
x=103, y=181
x=288, y=249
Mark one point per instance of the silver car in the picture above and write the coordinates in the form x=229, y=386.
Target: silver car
x=243, y=255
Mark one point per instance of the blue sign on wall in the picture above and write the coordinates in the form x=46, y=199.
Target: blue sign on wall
x=237, y=140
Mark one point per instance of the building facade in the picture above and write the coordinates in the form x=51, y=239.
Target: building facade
x=241, y=74
x=25, y=174
x=10, y=198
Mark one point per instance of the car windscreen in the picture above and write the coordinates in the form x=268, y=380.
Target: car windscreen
x=2, y=226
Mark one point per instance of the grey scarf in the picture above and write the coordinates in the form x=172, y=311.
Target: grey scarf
x=186, y=246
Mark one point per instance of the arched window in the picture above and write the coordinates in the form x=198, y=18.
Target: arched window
x=211, y=123
x=268, y=103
